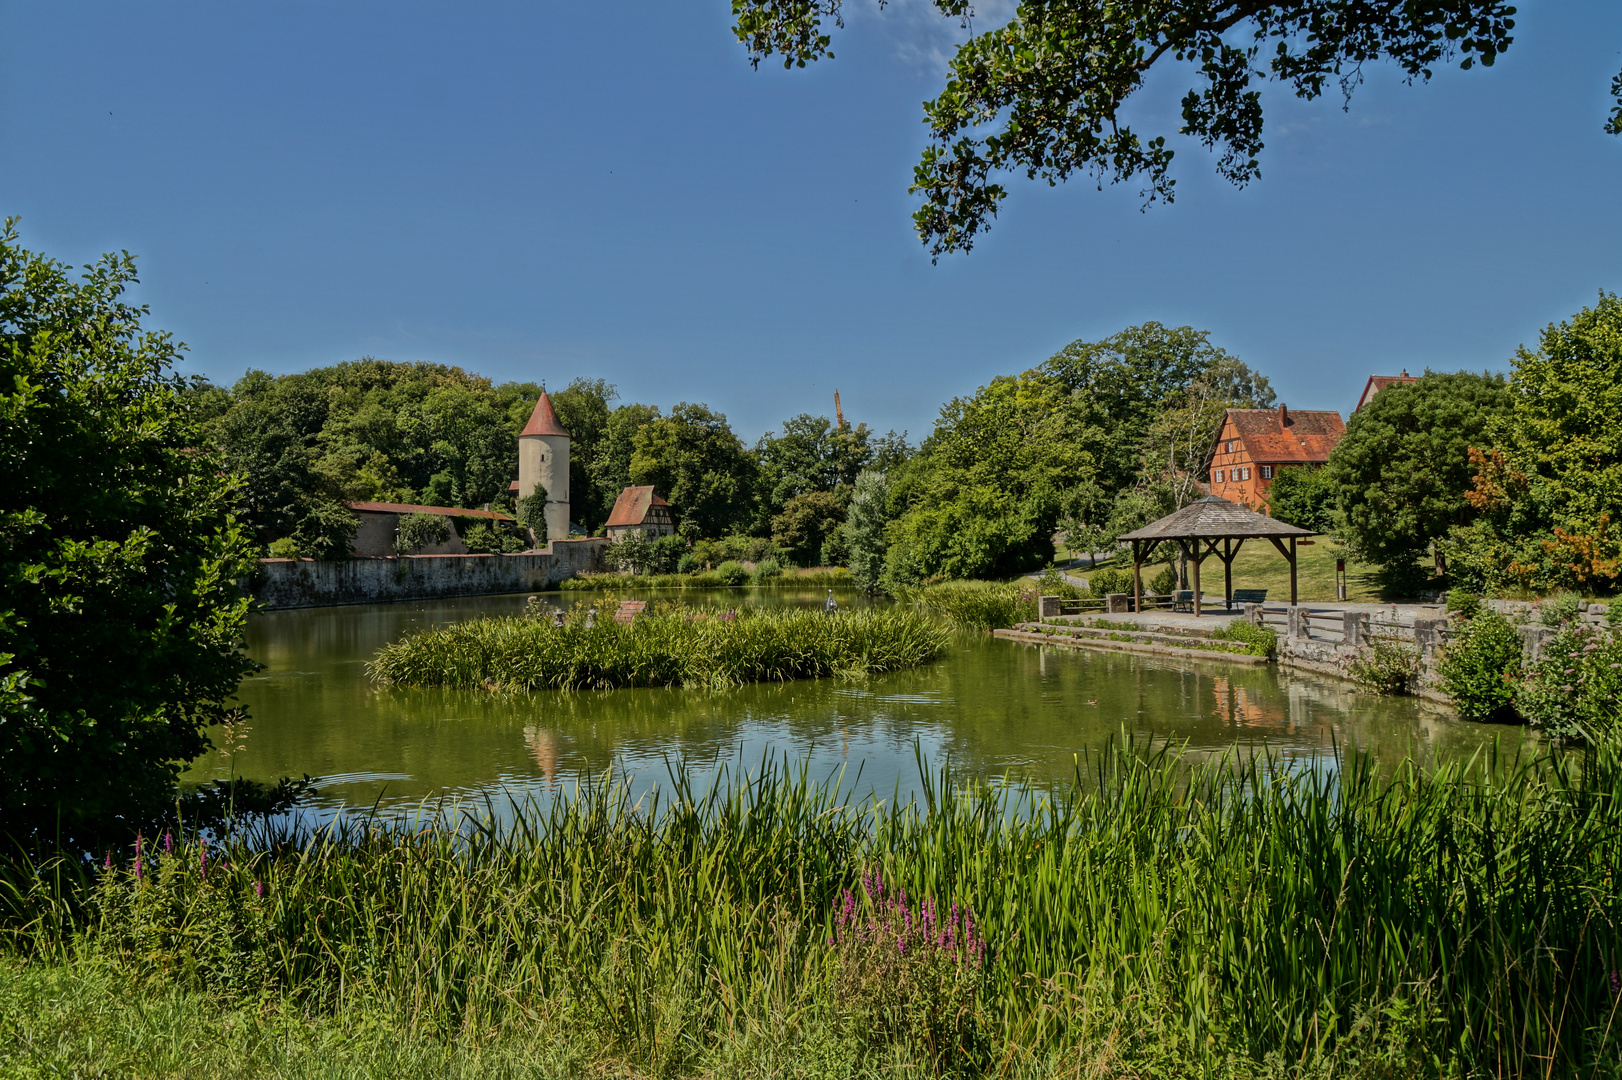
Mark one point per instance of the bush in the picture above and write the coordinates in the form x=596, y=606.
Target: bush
x=1464, y=603
x=1559, y=609
x=1164, y=582
x=1262, y=640
x=1109, y=580
x=417, y=531
x=1385, y=668
x=1481, y=668
x=766, y=570
x=1572, y=690
x=732, y=573
x=285, y=548
x=531, y=511
x=688, y=564
x=1051, y=582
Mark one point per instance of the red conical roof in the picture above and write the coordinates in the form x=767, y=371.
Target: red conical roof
x=543, y=421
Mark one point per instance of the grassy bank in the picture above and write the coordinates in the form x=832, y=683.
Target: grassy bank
x=836, y=577
x=1158, y=917
x=675, y=646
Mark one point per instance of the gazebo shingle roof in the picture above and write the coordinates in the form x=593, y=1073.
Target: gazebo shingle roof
x=1212, y=518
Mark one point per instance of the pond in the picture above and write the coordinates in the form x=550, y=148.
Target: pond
x=990, y=708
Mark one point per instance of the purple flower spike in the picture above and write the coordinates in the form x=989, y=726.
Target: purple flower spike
x=107, y=864
x=168, y=843
x=259, y=889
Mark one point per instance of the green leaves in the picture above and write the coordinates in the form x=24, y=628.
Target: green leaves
x=1045, y=93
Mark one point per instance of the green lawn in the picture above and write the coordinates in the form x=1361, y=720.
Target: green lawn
x=1259, y=566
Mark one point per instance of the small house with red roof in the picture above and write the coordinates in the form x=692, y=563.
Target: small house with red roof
x=1254, y=444
x=1377, y=383
x=639, y=509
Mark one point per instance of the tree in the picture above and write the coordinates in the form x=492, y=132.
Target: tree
x=1044, y=93
x=698, y=464
x=531, y=513
x=1549, y=491
x=1304, y=496
x=806, y=523
x=417, y=531
x=120, y=619
x=811, y=455
x=583, y=409
x=864, y=530
x=611, y=467
x=1402, y=470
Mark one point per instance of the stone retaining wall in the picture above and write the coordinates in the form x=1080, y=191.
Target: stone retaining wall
x=301, y=583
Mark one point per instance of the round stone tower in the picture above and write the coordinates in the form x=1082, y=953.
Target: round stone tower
x=543, y=460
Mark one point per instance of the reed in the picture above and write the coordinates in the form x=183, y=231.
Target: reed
x=675, y=645
x=980, y=605
x=836, y=577
x=1158, y=915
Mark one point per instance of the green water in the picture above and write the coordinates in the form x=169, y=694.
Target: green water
x=990, y=709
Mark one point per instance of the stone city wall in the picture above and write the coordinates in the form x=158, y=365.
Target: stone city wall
x=300, y=583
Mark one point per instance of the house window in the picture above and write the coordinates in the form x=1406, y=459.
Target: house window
x=1218, y=476
x=1267, y=472
x=1243, y=474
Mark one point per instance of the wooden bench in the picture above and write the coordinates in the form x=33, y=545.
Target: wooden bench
x=628, y=610
x=1183, y=600
x=1242, y=597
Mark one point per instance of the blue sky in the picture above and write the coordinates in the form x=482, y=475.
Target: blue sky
x=540, y=191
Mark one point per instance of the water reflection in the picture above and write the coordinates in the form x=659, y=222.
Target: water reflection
x=990, y=708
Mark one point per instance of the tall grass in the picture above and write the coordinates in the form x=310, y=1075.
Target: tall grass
x=677, y=646
x=1158, y=915
x=980, y=605
x=836, y=577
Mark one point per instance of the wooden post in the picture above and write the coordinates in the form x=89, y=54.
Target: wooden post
x=1198, y=558
x=1292, y=570
x=1227, y=574
x=1137, y=580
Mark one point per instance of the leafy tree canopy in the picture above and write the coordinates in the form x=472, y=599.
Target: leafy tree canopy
x=692, y=457
x=1044, y=93
x=120, y=620
x=1305, y=497
x=1550, y=490
x=810, y=455
x=1402, y=469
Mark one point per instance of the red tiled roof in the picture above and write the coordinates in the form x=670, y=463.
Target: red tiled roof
x=544, y=420
x=1377, y=383
x=1281, y=437
x=632, y=507
x=408, y=508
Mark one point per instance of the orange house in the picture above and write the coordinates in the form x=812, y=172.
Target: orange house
x=1254, y=444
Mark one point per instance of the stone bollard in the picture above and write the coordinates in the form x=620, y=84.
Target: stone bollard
x=1428, y=637
x=1047, y=607
x=1297, y=621
x=1356, y=627
x=1117, y=603
x=1253, y=614
x=1533, y=638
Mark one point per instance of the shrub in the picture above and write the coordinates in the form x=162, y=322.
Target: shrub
x=908, y=973
x=1051, y=582
x=766, y=570
x=1262, y=640
x=1572, y=690
x=1464, y=603
x=285, y=548
x=688, y=563
x=1385, y=667
x=732, y=572
x=417, y=531
x=489, y=537
x=531, y=511
x=1165, y=581
x=1109, y=580
x=1559, y=609
x=1481, y=668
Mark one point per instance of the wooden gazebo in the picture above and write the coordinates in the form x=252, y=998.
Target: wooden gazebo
x=1197, y=527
